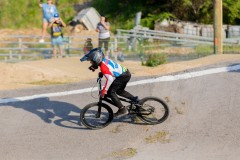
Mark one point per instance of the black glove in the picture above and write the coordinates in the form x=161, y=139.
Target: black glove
x=91, y=68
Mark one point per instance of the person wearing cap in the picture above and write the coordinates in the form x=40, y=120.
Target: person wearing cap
x=48, y=10
x=87, y=45
x=56, y=34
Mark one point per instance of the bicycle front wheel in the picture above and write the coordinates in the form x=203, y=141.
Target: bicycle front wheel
x=153, y=110
x=91, y=118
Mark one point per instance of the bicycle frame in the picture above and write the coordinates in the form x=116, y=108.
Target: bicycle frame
x=107, y=99
x=141, y=108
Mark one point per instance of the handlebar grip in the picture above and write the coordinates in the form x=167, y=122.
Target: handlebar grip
x=100, y=74
x=91, y=68
x=98, y=79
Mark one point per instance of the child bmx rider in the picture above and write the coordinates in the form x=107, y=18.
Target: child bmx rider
x=116, y=76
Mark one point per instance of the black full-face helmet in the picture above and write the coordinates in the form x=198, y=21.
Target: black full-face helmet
x=95, y=55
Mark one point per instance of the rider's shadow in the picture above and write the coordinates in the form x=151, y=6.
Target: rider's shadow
x=130, y=119
x=52, y=111
x=230, y=68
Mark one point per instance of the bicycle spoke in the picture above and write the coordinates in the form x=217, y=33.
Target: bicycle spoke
x=153, y=110
x=91, y=118
x=152, y=114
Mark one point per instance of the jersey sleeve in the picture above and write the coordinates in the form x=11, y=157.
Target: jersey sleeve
x=108, y=75
x=109, y=80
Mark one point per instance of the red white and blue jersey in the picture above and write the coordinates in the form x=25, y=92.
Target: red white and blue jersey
x=110, y=70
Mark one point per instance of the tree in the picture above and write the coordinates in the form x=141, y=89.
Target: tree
x=193, y=10
x=231, y=10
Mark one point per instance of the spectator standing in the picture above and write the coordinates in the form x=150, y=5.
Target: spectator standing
x=103, y=28
x=56, y=34
x=88, y=46
x=48, y=10
x=120, y=55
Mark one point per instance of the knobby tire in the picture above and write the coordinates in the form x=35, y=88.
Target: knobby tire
x=89, y=119
x=160, y=114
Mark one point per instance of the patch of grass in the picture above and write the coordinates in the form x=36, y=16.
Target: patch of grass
x=178, y=110
x=136, y=119
x=116, y=129
x=161, y=136
x=125, y=153
x=167, y=99
x=204, y=50
x=154, y=60
x=46, y=82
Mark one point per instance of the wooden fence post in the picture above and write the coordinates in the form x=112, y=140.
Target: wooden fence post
x=10, y=55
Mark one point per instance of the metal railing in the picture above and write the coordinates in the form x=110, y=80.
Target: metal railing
x=170, y=36
x=15, y=48
x=26, y=47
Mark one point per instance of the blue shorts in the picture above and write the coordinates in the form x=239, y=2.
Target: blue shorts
x=47, y=20
x=57, y=41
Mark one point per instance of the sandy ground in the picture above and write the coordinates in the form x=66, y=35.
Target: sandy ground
x=68, y=70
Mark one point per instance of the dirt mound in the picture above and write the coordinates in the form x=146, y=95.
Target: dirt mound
x=67, y=70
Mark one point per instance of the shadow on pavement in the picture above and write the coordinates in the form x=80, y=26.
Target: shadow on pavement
x=60, y=113
x=234, y=67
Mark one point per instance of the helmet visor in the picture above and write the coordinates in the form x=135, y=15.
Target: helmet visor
x=85, y=57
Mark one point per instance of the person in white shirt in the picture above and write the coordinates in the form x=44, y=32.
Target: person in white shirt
x=103, y=28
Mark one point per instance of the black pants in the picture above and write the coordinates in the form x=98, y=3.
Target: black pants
x=118, y=88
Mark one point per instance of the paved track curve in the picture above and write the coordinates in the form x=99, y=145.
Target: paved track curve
x=203, y=123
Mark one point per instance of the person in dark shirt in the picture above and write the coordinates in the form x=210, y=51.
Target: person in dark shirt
x=56, y=34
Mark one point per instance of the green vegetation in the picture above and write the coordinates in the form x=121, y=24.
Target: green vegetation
x=155, y=60
x=122, y=13
x=46, y=82
x=125, y=153
x=161, y=136
x=22, y=14
x=27, y=14
x=204, y=50
x=116, y=129
x=179, y=110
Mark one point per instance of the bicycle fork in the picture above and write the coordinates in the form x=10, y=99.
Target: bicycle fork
x=99, y=108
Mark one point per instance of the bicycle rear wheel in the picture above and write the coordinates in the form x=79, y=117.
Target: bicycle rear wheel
x=153, y=110
x=90, y=118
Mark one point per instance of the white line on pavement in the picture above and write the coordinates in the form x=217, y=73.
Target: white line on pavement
x=141, y=82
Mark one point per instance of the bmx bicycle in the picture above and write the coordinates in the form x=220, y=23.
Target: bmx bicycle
x=97, y=115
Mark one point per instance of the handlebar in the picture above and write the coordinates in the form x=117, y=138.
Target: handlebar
x=100, y=75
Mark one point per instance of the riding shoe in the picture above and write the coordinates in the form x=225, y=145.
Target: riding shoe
x=135, y=99
x=121, y=111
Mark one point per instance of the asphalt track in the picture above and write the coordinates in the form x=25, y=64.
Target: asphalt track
x=203, y=122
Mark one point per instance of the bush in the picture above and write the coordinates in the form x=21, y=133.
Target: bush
x=155, y=60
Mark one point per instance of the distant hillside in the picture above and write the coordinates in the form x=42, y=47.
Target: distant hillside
x=120, y=13
x=27, y=14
